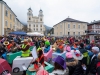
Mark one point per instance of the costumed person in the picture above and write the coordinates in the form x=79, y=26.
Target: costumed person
x=30, y=42
x=3, y=52
x=25, y=47
x=11, y=43
x=47, y=46
x=91, y=69
x=60, y=67
x=39, y=62
x=86, y=58
x=14, y=48
x=92, y=43
x=25, y=50
x=98, y=65
x=60, y=46
x=6, y=43
x=54, y=46
x=75, y=45
x=73, y=63
x=67, y=47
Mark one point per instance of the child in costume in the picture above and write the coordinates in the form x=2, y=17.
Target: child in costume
x=47, y=46
x=39, y=61
x=60, y=46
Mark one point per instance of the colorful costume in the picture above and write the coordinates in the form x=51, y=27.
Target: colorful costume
x=25, y=51
x=40, y=60
x=60, y=47
x=47, y=48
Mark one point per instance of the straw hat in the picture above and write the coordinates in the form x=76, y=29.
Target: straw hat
x=25, y=40
x=6, y=43
x=29, y=39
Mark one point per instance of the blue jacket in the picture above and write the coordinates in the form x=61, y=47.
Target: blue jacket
x=46, y=49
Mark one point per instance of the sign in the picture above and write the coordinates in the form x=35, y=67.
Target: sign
x=34, y=53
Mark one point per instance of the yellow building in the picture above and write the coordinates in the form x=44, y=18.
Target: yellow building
x=70, y=27
x=19, y=25
x=7, y=19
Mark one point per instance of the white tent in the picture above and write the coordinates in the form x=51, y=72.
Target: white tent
x=35, y=34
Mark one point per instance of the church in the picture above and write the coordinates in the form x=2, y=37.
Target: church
x=34, y=23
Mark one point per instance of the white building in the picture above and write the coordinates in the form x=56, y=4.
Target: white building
x=35, y=24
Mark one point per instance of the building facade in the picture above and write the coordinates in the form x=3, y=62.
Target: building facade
x=70, y=27
x=19, y=25
x=35, y=24
x=94, y=27
x=7, y=19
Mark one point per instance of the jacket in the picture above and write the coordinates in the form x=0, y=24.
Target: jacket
x=86, y=57
x=92, y=66
x=25, y=50
x=74, y=67
x=98, y=68
x=46, y=49
x=60, y=72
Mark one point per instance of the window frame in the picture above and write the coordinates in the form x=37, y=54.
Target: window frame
x=6, y=23
x=10, y=16
x=73, y=26
x=68, y=25
x=10, y=25
x=40, y=19
x=78, y=26
x=6, y=13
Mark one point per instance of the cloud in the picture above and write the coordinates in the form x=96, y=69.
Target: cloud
x=57, y=10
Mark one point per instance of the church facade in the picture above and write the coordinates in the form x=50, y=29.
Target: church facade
x=35, y=23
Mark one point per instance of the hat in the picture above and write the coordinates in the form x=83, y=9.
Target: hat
x=60, y=60
x=95, y=48
x=77, y=54
x=6, y=43
x=47, y=43
x=42, y=72
x=69, y=55
x=25, y=40
x=29, y=39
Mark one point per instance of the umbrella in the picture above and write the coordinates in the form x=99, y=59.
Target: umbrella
x=18, y=33
x=35, y=34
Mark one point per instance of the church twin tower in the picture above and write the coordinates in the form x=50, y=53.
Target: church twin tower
x=34, y=23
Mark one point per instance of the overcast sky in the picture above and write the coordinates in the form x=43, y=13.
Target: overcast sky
x=57, y=10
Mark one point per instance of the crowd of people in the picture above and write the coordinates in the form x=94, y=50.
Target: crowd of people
x=82, y=55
